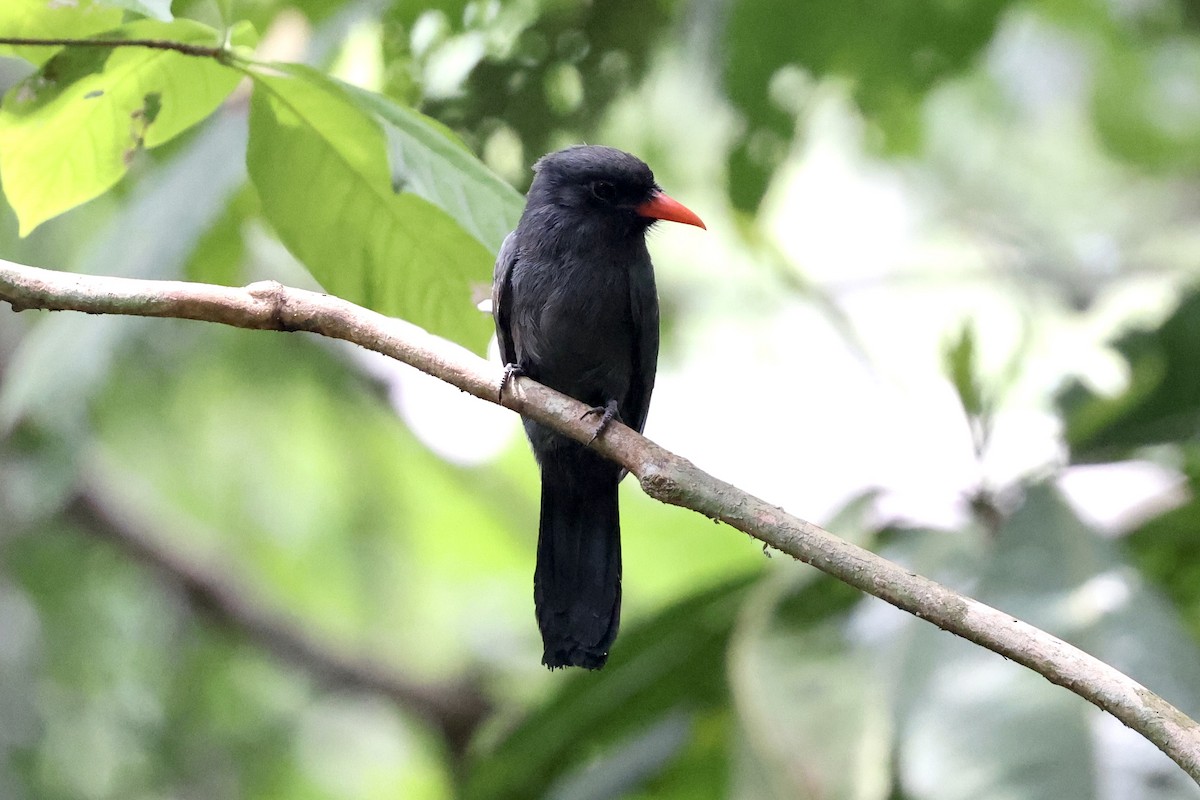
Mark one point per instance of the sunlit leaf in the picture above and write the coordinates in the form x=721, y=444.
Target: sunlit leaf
x=57, y=367
x=41, y=19
x=320, y=166
x=429, y=160
x=70, y=131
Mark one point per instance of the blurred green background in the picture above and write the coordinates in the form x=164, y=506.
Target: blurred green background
x=946, y=305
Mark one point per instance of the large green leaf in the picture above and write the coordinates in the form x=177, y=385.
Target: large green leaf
x=69, y=132
x=41, y=19
x=321, y=169
x=974, y=725
x=430, y=161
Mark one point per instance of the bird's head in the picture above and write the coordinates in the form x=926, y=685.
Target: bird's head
x=606, y=186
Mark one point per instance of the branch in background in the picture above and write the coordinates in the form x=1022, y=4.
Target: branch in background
x=663, y=475
x=456, y=710
x=153, y=44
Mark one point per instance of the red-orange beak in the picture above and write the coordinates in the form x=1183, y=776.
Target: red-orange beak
x=664, y=207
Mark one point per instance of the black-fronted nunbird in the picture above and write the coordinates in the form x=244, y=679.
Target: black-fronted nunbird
x=576, y=309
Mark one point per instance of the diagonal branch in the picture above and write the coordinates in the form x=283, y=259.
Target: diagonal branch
x=456, y=710
x=663, y=475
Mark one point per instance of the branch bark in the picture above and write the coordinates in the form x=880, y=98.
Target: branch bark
x=663, y=475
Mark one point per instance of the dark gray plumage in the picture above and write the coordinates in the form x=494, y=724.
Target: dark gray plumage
x=576, y=309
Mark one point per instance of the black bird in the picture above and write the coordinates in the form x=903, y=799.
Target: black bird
x=576, y=309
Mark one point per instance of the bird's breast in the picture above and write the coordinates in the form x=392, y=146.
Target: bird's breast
x=574, y=327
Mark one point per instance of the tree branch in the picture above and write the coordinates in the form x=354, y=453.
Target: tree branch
x=663, y=475
x=454, y=709
x=153, y=44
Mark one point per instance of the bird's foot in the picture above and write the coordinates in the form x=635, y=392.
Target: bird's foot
x=510, y=371
x=608, y=412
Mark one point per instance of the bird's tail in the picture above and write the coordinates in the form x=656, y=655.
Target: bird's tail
x=577, y=583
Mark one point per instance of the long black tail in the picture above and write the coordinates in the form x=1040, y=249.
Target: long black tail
x=577, y=583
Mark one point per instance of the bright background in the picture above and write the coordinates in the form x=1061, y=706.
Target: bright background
x=945, y=305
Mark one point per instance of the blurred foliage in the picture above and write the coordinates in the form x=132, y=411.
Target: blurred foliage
x=1161, y=404
x=383, y=170
x=892, y=53
x=545, y=72
x=46, y=172
x=1158, y=410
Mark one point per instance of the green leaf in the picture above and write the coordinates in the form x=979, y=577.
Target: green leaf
x=429, y=160
x=974, y=725
x=69, y=132
x=41, y=19
x=321, y=169
x=670, y=665
x=959, y=359
x=55, y=370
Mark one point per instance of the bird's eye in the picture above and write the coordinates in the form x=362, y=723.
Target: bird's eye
x=604, y=191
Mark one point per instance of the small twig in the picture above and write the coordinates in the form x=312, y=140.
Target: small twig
x=153, y=44
x=663, y=475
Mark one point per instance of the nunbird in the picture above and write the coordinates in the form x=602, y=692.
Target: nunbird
x=576, y=309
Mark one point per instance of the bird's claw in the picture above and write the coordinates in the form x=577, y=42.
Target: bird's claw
x=510, y=371
x=608, y=412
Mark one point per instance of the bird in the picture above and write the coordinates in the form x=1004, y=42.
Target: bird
x=576, y=309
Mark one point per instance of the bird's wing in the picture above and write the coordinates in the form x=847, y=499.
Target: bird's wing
x=644, y=304
x=502, y=297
